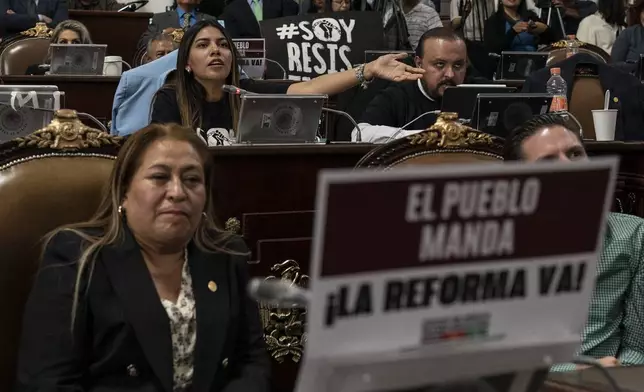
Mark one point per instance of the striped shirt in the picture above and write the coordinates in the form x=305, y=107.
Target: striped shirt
x=420, y=19
x=616, y=313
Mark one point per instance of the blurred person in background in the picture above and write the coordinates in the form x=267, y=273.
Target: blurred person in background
x=94, y=5
x=604, y=26
x=68, y=32
x=159, y=46
x=20, y=15
x=514, y=27
x=242, y=17
x=182, y=15
x=630, y=44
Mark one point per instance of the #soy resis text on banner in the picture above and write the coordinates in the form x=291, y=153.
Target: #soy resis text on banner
x=497, y=254
x=316, y=44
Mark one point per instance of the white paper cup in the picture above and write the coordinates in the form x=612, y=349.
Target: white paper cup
x=113, y=66
x=605, y=122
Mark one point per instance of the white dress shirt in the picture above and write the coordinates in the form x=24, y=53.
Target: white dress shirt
x=594, y=30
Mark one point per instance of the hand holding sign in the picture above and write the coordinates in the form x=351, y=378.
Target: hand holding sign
x=388, y=67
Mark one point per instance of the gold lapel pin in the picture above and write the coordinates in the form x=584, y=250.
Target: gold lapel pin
x=212, y=286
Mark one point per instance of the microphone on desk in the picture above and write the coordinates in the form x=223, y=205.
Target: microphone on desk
x=133, y=5
x=278, y=292
x=230, y=89
x=234, y=90
x=79, y=114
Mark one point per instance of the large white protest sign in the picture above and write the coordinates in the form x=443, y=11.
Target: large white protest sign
x=454, y=260
x=316, y=44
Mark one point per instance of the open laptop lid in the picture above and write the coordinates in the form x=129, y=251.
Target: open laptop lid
x=279, y=118
x=497, y=114
x=81, y=59
x=520, y=65
x=27, y=88
x=462, y=99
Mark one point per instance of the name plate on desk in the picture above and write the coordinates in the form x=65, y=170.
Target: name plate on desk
x=453, y=271
x=252, y=54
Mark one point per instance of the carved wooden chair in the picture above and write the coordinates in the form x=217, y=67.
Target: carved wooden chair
x=447, y=141
x=51, y=177
x=20, y=51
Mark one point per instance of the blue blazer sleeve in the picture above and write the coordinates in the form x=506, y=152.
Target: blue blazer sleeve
x=119, y=96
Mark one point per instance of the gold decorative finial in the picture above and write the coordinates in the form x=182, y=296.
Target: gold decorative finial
x=232, y=225
x=177, y=35
x=564, y=44
x=285, y=328
x=448, y=132
x=66, y=131
x=39, y=31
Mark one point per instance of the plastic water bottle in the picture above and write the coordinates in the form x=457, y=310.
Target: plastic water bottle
x=557, y=88
x=572, y=46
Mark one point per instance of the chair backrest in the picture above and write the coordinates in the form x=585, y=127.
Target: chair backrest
x=49, y=178
x=586, y=95
x=19, y=52
x=558, y=51
x=447, y=141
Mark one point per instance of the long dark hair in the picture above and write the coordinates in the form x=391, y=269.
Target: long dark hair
x=612, y=11
x=634, y=13
x=190, y=93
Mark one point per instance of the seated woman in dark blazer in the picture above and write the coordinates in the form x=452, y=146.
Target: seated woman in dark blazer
x=514, y=27
x=207, y=60
x=148, y=295
x=67, y=32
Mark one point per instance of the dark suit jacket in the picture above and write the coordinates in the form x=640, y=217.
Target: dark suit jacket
x=121, y=338
x=240, y=19
x=96, y=5
x=496, y=39
x=626, y=87
x=20, y=21
x=164, y=20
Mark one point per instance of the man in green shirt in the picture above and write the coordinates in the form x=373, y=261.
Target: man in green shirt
x=614, y=331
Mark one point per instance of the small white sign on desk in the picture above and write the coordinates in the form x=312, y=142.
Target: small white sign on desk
x=455, y=272
x=252, y=56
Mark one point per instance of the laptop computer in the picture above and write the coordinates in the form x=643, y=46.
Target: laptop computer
x=81, y=59
x=17, y=116
x=498, y=114
x=517, y=66
x=462, y=99
x=279, y=118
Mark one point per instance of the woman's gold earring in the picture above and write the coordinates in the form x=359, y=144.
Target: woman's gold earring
x=205, y=216
x=120, y=210
x=188, y=69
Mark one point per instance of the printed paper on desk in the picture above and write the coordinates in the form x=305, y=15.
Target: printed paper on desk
x=499, y=254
